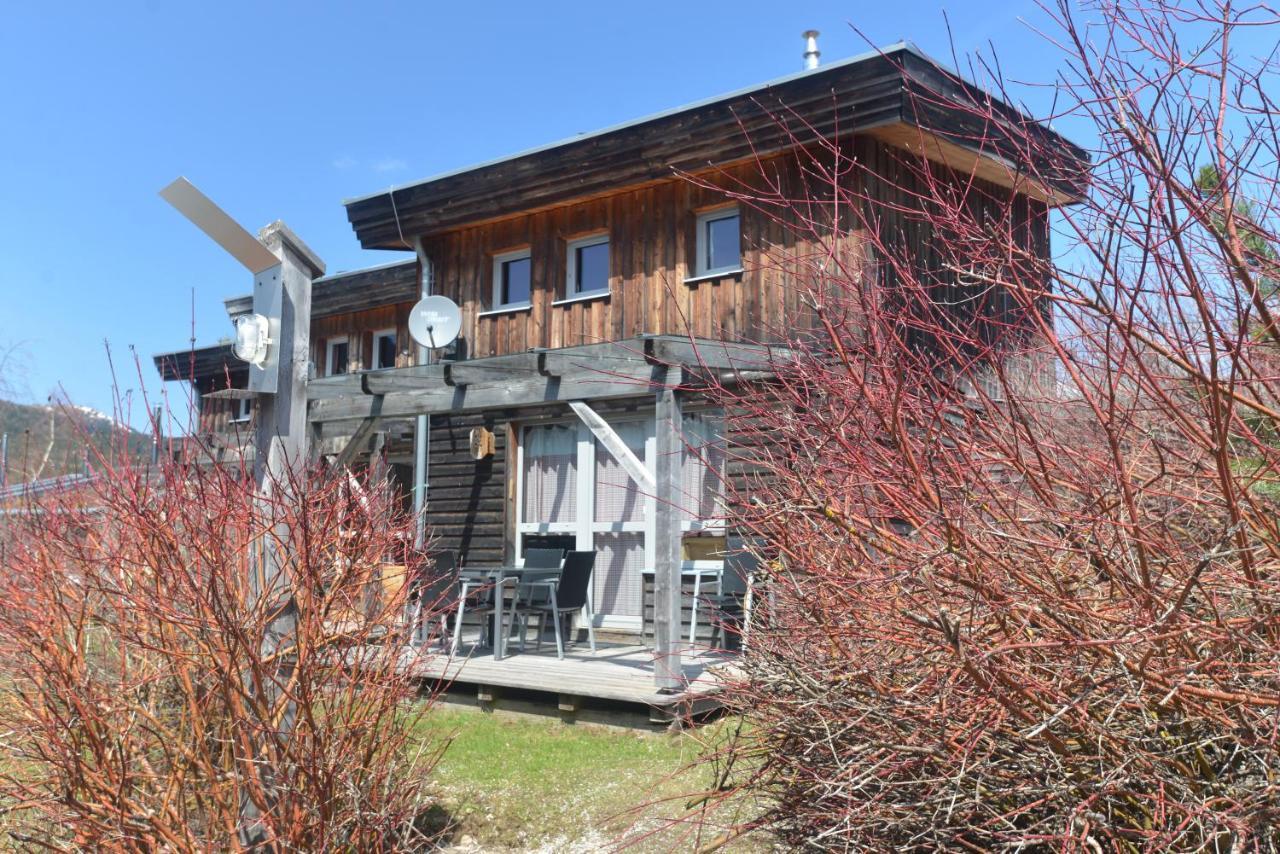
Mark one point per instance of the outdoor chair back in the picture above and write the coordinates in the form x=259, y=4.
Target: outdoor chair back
x=439, y=587
x=739, y=566
x=435, y=596
x=543, y=558
x=733, y=601
x=575, y=580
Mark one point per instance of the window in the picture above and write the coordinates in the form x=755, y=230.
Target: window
x=587, y=267
x=719, y=242
x=241, y=409
x=337, y=359
x=384, y=349
x=512, y=280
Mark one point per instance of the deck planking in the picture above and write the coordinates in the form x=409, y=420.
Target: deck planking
x=619, y=673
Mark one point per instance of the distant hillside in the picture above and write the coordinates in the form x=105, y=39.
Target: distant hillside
x=73, y=430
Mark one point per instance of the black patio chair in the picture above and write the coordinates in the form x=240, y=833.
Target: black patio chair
x=730, y=603
x=543, y=558
x=435, y=592
x=571, y=595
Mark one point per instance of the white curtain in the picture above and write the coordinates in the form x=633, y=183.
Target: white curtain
x=619, y=583
x=618, y=499
x=703, y=467
x=550, y=474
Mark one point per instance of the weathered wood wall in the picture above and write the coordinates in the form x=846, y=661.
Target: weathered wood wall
x=359, y=327
x=652, y=245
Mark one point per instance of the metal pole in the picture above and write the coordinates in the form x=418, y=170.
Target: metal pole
x=422, y=428
x=4, y=461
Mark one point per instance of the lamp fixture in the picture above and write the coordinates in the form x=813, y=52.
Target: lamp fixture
x=252, y=339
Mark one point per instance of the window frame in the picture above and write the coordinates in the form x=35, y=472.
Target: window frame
x=329, y=345
x=701, y=243
x=243, y=410
x=500, y=259
x=571, y=292
x=391, y=333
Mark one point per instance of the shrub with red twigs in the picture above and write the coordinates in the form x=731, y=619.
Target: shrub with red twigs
x=1017, y=520
x=153, y=695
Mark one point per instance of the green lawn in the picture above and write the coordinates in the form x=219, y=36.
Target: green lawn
x=526, y=783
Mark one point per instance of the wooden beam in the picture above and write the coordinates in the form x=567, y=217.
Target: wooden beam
x=717, y=355
x=617, y=446
x=360, y=438
x=618, y=380
x=667, y=673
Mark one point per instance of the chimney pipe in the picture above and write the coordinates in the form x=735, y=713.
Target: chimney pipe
x=811, y=52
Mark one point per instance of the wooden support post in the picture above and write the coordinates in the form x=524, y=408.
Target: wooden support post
x=568, y=706
x=667, y=673
x=281, y=436
x=280, y=445
x=487, y=696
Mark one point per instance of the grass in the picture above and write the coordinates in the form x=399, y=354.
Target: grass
x=530, y=784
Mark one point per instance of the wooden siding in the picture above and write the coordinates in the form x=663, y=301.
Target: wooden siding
x=358, y=327
x=652, y=246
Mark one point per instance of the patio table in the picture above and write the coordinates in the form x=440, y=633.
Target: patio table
x=498, y=576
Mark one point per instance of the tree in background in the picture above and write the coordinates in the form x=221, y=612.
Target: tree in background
x=1017, y=524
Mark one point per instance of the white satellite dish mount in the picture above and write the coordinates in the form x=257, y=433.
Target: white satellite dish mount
x=435, y=322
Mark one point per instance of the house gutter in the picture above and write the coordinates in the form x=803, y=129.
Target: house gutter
x=422, y=427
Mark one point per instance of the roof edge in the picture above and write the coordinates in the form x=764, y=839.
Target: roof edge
x=896, y=47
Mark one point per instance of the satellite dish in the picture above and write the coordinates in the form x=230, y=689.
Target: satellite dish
x=435, y=322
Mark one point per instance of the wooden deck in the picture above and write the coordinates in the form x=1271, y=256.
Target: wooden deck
x=615, y=672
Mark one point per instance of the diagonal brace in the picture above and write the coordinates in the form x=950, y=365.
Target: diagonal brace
x=611, y=440
x=360, y=438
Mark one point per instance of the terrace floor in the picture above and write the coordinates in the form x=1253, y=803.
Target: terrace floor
x=615, y=672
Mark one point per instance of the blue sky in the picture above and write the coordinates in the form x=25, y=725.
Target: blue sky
x=281, y=110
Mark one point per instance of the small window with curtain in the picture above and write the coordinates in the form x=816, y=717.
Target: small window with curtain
x=719, y=242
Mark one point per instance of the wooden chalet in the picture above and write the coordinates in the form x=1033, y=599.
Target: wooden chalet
x=596, y=283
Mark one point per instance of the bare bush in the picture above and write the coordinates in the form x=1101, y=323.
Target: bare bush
x=1018, y=519
x=152, y=701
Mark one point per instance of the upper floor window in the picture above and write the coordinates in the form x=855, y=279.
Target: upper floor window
x=719, y=242
x=588, y=267
x=384, y=349
x=337, y=357
x=512, y=279
x=241, y=410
